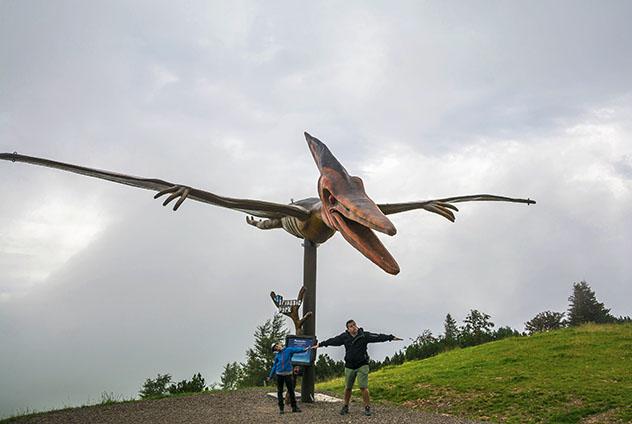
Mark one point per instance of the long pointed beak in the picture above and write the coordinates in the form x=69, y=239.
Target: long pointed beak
x=366, y=242
x=360, y=208
x=354, y=216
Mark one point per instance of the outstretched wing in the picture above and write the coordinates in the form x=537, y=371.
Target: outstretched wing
x=258, y=208
x=444, y=207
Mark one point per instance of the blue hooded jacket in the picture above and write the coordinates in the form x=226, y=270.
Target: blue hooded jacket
x=283, y=360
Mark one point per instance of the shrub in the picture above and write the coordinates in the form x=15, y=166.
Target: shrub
x=197, y=384
x=155, y=388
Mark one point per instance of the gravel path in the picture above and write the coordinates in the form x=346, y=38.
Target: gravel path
x=243, y=406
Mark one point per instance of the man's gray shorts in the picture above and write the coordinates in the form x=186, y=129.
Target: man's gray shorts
x=363, y=377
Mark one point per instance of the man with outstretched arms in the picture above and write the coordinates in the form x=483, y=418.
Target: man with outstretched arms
x=355, y=341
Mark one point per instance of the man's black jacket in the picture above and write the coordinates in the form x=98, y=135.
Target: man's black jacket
x=355, y=347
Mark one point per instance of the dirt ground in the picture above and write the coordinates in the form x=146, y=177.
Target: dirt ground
x=243, y=406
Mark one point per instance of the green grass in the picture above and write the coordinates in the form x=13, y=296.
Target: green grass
x=564, y=376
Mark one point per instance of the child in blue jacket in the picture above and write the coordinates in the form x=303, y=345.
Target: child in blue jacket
x=283, y=369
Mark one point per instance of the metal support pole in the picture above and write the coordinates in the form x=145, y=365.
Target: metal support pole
x=309, y=305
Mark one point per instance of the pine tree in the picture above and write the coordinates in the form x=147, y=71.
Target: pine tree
x=398, y=358
x=327, y=368
x=231, y=376
x=584, y=306
x=450, y=331
x=477, y=328
x=259, y=358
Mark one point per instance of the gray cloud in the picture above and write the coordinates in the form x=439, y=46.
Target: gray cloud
x=624, y=166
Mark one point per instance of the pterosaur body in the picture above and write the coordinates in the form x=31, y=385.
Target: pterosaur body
x=342, y=205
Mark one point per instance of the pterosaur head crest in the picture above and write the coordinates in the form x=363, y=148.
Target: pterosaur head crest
x=347, y=208
x=323, y=156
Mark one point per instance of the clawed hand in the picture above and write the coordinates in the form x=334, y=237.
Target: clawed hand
x=264, y=224
x=178, y=191
x=253, y=221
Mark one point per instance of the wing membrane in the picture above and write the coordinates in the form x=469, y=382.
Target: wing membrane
x=258, y=208
x=444, y=206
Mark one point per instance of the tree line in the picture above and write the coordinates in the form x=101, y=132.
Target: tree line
x=477, y=328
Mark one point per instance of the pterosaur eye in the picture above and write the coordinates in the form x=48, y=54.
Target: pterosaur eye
x=332, y=200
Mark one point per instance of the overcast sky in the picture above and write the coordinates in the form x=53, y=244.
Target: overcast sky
x=101, y=287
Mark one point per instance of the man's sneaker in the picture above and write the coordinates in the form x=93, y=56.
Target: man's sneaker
x=281, y=412
x=296, y=409
x=367, y=411
x=344, y=410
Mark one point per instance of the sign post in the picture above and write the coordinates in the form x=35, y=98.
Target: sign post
x=290, y=308
x=309, y=307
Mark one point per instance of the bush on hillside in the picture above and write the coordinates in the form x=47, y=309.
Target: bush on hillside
x=160, y=387
x=504, y=332
x=477, y=329
x=156, y=387
x=197, y=384
x=545, y=321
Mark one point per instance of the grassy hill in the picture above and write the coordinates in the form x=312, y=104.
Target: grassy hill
x=581, y=374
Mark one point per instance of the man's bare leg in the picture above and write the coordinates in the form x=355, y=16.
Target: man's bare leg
x=365, y=396
x=347, y=396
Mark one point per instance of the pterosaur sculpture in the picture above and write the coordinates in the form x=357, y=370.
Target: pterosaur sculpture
x=342, y=205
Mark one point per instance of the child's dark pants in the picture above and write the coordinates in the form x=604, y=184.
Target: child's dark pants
x=289, y=383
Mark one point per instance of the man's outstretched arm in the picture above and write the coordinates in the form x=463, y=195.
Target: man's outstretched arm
x=334, y=341
x=378, y=338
